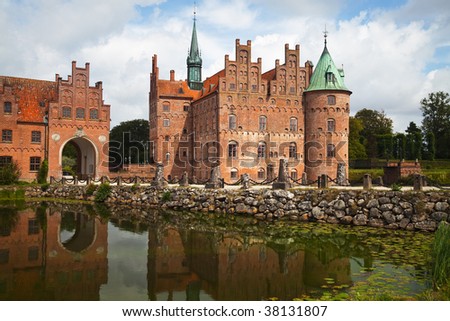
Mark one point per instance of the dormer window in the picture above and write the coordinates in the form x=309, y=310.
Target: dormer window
x=330, y=76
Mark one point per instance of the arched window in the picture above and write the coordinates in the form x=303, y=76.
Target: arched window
x=292, y=150
x=234, y=173
x=232, y=149
x=262, y=123
x=166, y=106
x=93, y=114
x=7, y=107
x=67, y=112
x=167, y=138
x=262, y=150
x=232, y=121
x=331, y=100
x=331, y=125
x=167, y=157
x=331, y=150
x=293, y=124
x=261, y=173
x=80, y=113
x=294, y=174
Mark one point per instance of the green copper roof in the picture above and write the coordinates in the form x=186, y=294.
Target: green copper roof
x=326, y=76
x=194, y=52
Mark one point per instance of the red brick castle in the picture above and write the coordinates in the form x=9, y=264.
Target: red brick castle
x=247, y=119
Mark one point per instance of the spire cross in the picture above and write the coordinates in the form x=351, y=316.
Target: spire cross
x=195, y=10
x=325, y=35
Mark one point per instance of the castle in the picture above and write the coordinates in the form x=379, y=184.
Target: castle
x=40, y=118
x=245, y=120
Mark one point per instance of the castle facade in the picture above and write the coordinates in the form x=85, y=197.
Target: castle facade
x=246, y=120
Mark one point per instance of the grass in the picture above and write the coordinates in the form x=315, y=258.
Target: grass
x=441, y=257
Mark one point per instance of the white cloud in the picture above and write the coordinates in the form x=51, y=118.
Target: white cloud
x=389, y=55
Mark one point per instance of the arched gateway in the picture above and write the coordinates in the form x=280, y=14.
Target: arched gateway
x=86, y=157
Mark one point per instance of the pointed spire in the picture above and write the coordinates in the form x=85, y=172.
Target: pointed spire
x=194, y=60
x=326, y=75
x=325, y=35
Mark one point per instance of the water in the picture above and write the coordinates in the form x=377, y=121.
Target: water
x=74, y=252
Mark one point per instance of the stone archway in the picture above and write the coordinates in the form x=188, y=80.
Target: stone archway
x=79, y=231
x=86, y=157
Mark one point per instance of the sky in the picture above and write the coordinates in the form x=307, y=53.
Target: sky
x=394, y=53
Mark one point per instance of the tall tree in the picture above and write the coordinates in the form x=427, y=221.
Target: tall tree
x=375, y=123
x=128, y=143
x=436, y=120
x=413, y=142
x=356, y=149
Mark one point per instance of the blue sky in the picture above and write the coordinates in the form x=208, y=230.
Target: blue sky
x=394, y=52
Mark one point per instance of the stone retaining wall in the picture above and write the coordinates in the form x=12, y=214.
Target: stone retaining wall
x=388, y=209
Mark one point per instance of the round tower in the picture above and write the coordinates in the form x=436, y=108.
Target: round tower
x=327, y=109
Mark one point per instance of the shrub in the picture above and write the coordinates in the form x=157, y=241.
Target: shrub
x=9, y=174
x=43, y=172
x=45, y=186
x=166, y=196
x=103, y=192
x=90, y=189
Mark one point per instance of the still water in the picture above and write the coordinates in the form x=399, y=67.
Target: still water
x=77, y=252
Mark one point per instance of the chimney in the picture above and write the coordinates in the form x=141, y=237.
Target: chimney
x=172, y=75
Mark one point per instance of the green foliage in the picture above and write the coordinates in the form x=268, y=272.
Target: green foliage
x=430, y=147
x=436, y=120
x=355, y=176
x=356, y=149
x=396, y=187
x=12, y=194
x=166, y=196
x=45, y=186
x=69, y=158
x=129, y=139
x=43, y=172
x=441, y=256
x=374, y=123
x=9, y=174
x=103, y=192
x=90, y=189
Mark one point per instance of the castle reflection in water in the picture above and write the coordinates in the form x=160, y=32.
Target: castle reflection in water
x=62, y=254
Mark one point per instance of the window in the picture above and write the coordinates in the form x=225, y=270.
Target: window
x=331, y=125
x=67, y=112
x=293, y=124
x=262, y=150
x=35, y=136
x=166, y=107
x=232, y=150
x=33, y=226
x=35, y=163
x=4, y=256
x=186, y=108
x=167, y=156
x=166, y=122
x=261, y=173
x=234, y=173
x=331, y=150
x=7, y=107
x=80, y=113
x=232, y=121
x=254, y=88
x=167, y=138
x=292, y=90
x=331, y=100
x=329, y=77
x=7, y=135
x=93, y=114
x=292, y=150
x=294, y=174
x=232, y=86
x=262, y=123
x=5, y=160
x=33, y=253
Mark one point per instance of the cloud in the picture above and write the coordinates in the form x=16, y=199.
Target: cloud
x=393, y=56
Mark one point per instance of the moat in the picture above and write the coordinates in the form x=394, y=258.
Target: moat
x=55, y=251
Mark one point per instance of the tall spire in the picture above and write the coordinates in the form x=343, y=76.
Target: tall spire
x=194, y=60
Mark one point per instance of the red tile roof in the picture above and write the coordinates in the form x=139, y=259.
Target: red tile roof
x=33, y=96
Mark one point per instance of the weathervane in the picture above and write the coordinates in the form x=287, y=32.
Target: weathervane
x=325, y=35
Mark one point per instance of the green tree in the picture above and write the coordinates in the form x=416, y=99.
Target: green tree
x=430, y=146
x=399, y=151
x=129, y=143
x=356, y=149
x=375, y=123
x=413, y=142
x=436, y=120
